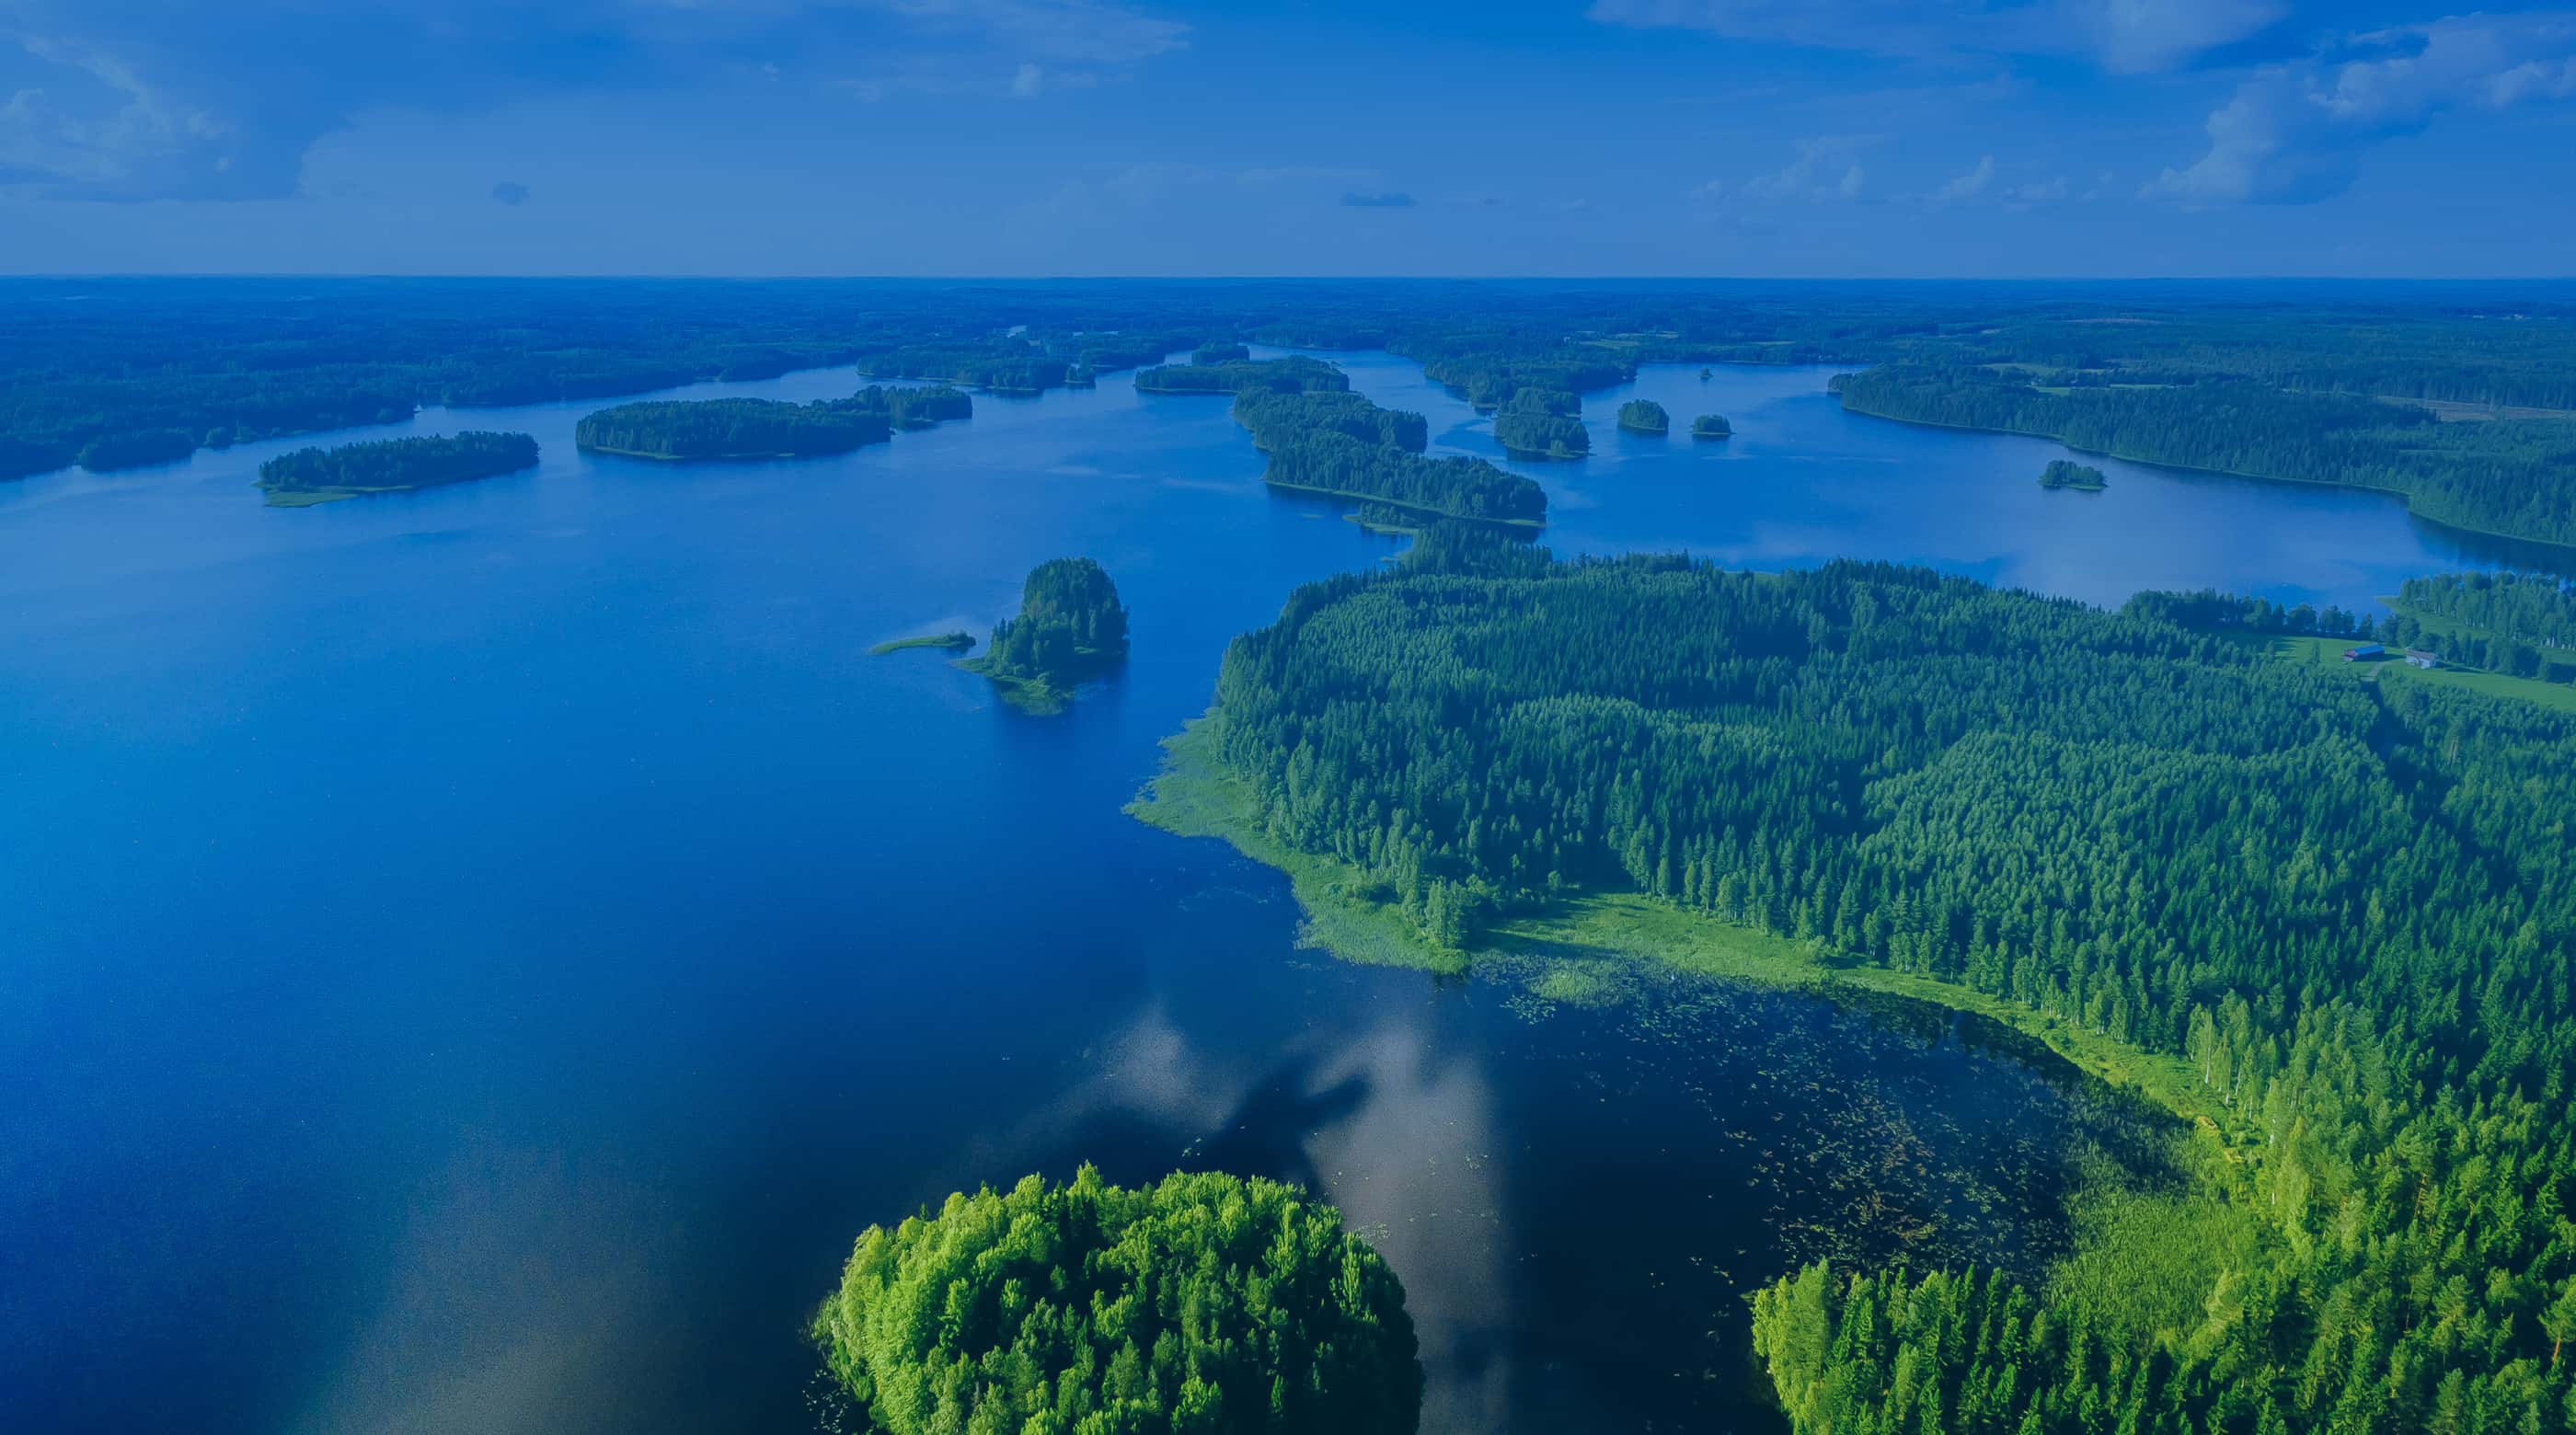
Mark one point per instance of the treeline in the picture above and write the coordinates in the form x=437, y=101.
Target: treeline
x=734, y=428
x=2532, y=607
x=2504, y=652
x=2511, y=478
x=1009, y=367
x=909, y=408
x=313, y=474
x=1294, y=373
x=1203, y=1303
x=2345, y=909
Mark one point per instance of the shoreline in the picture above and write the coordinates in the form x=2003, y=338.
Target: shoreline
x=1597, y=935
x=2404, y=499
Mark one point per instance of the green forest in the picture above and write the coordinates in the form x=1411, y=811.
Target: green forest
x=316, y=475
x=1644, y=416
x=1542, y=423
x=1294, y=374
x=1712, y=426
x=2535, y=608
x=2337, y=912
x=734, y=428
x=2067, y=473
x=1070, y=626
x=1203, y=1303
x=1330, y=441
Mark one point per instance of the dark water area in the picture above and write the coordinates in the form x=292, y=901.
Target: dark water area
x=477, y=957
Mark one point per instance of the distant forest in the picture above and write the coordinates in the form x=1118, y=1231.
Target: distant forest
x=2460, y=397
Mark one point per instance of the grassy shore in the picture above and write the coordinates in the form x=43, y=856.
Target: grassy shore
x=957, y=642
x=1590, y=943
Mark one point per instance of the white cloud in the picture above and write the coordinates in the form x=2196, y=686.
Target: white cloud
x=1969, y=185
x=2121, y=35
x=2295, y=134
x=1028, y=80
x=1811, y=175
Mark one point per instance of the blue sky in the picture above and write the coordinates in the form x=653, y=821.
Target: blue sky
x=1046, y=137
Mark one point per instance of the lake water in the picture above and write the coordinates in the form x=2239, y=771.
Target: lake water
x=475, y=958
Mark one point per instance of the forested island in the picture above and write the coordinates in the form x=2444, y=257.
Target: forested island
x=1541, y=423
x=917, y=408
x=2067, y=473
x=316, y=475
x=733, y=429
x=1070, y=627
x=1712, y=426
x=1275, y=418
x=2326, y=920
x=1294, y=373
x=1220, y=354
x=1644, y=416
x=1201, y=1305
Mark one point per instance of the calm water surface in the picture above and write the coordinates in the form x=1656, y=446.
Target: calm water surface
x=476, y=957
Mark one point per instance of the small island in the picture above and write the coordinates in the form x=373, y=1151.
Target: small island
x=955, y=642
x=1204, y=1302
x=1071, y=627
x=705, y=429
x=1706, y=374
x=1712, y=426
x=1541, y=423
x=316, y=475
x=2067, y=473
x=1645, y=416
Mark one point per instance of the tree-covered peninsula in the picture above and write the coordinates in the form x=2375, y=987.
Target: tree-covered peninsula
x=1201, y=1305
x=1276, y=418
x=1454, y=487
x=2327, y=920
x=1644, y=416
x=1220, y=353
x=2067, y=473
x=1070, y=627
x=734, y=428
x=1712, y=426
x=1531, y=427
x=318, y=475
x=917, y=408
x=1293, y=373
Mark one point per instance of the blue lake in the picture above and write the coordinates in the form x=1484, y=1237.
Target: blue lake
x=476, y=957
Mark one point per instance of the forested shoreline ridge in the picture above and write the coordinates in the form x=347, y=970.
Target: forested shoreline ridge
x=2341, y=911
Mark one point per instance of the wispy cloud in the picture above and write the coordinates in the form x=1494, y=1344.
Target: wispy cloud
x=139, y=100
x=1383, y=199
x=1969, y=185
x=2296, y=133
x=1826, y=168
x=2119, y=35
